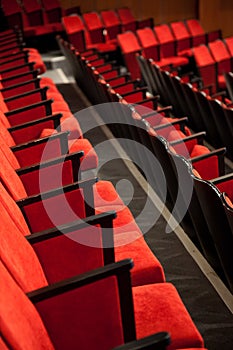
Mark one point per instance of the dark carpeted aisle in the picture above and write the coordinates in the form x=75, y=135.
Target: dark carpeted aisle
x=211, y=316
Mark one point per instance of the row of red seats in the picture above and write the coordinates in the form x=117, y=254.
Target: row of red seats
x=100, y=90
x=205, y=111
x=100, y=30
x=214, y=195
x=168, y=44
x=35, y=18
x=61, y=287
x=213, y=61
x=134, y=120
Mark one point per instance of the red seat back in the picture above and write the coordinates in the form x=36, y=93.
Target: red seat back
x=149, y=43
x=221, y=56
x=182, y=35
x=166, y=40
x=196, y=31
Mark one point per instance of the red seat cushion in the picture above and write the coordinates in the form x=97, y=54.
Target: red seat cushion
x=171, y=315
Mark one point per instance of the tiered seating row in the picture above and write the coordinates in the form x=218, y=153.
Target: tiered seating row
x=134, y=120
x=60, y=238
x=212, y=114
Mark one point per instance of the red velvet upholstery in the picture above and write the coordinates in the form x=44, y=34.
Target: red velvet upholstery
x=182, y=37
x=196, y=31
x=127, y=19
x=100, y=301
x=18, y=328
x=111, y=23
x=90, y=158
x=149, y=43
x=94, y=27
x=28, y=115
x=102, y=318
x=147, y=268
x=167, y=46
x=223, y=59
x=13, y=210
x=229, y=43
x=19, y=257
x=206, y=65
x=227, y=187
x=130, y=46
x=170, y=315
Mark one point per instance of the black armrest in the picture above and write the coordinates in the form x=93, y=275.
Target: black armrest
x=15, y=59
x=105, y=220
x=181, y=121
x=86, y=185
x=46, y=103
x=63, y=136
x=32, y=73
x=14, y=55
x=42, y=91
x=157, y=341
x=55, y=117
x=167, y=110
x=17, y=47
x=126, y=76
x=221, y=179
x=153, y=99
x=199, y=136
x=80, y=280
x=12, y=87
x=136, y=83
x=74, y=157
x=143, y=90
x=27, y=64
x=219, y=153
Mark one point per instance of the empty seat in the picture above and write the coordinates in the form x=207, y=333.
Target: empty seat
x=168, y=46
x=206, y=66
x=112, y=23
x=129, y=46
x=223, y=60
x=127, y=19
x=76, y=301
x=183, y=38
x=197, y=32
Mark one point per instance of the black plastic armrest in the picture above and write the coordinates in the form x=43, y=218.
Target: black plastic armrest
x=110, y=70
x=17, y=46
x=46, y=103
x=74, y=157
x=219, y=93
x=181, y=121
x=28, y=93
x=15, y=54
x=80, y=280
x=167, y=110
x=199, y=136
x=143, y=90
x=135, y=82
x=219, y=153
x=55, y=117
x=221, y=179
x=157, y=341
x=33, y=72
x=126, y=75
x=105, y=220
x=84, y=184
x=12, y=87
x=27, y=64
